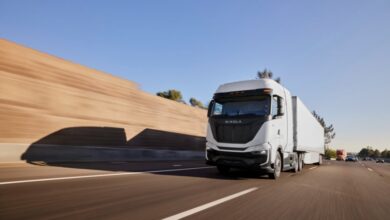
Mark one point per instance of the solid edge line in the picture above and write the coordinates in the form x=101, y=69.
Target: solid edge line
x=209, y=205
x=99, y=175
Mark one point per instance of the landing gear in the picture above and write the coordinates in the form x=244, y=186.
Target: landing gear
x=277, y=167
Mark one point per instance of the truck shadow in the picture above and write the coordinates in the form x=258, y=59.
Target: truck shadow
x=107, y=149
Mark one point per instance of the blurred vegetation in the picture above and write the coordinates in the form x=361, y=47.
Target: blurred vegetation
x=171, y=94
x=329, y=132
x=176, y=95
x=370, y=152
x=196, y=103
x=330, y=153
x=267, y=74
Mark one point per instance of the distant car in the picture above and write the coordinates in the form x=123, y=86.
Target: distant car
x=351, y=158
x=380, y=160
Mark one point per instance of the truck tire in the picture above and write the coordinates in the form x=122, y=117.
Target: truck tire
x=296, y=163
x=300, y=162
x=277, y=167
x=223, y=169
x=319, y=161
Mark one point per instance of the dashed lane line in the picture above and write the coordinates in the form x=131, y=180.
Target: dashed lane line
x=209, y=205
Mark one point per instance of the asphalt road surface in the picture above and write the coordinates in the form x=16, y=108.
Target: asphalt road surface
x=191, y=190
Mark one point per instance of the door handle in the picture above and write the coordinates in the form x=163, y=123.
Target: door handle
x=278, y=131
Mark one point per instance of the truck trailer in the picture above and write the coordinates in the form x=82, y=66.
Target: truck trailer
x=258, y=125
x=341, y=154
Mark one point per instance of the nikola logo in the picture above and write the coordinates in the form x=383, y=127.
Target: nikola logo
x=233, y=122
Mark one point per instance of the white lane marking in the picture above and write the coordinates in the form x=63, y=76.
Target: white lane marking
x=209, y=205
x=369, y=169
x=312, y=168
x=100, y=175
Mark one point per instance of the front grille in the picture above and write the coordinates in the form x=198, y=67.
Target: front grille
x=236, y=133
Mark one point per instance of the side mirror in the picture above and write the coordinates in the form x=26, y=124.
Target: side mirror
x=210, y=109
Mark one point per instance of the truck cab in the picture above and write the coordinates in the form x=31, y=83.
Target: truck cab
x=251, y=126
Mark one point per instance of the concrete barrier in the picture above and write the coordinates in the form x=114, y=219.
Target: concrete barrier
x=12, y=152
x=59, y=153
x=52, y=153
x=42, y=94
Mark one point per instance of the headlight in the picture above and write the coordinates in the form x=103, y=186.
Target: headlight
x=261, y=152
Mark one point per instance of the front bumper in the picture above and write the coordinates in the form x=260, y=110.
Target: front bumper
x=243, y=160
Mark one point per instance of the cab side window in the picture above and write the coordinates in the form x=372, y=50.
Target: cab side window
x=274, y=106
x=277, y=106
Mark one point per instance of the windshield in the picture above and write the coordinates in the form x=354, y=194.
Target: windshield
x=258, y=107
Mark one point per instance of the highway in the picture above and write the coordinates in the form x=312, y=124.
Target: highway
x=191, y=190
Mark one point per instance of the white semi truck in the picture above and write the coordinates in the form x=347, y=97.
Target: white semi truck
x=257, y=124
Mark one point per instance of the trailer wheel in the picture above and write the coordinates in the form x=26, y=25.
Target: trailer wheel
x=319, y=160
x=300, y=162
x=223, y=169
x=277, y=167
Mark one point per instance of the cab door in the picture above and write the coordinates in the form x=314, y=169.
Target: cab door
x=276, y=124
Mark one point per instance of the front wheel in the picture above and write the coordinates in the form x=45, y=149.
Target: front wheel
x=277, y=167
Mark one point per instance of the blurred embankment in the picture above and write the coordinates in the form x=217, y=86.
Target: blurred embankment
x=50, y=101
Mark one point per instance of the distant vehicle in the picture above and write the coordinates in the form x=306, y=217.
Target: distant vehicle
x=341, y=154
x=368, y=159
x=380, y=160
x=351, y=158
x=257, y=124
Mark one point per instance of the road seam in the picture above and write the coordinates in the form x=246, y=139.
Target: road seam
x=209, y=205
x=99, y=175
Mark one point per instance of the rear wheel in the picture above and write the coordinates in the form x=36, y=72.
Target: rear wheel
x=223, y=169
x=277, y=167
x=296, y=163
x=300, y=162
x=319, y=160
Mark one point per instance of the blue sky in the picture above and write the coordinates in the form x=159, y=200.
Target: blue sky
x=335, y=55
